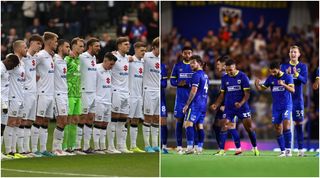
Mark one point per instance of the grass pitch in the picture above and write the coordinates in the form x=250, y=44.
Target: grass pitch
x=245, y=165
x=129, y=165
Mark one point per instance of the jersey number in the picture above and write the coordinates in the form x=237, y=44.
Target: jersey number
x=206, y=86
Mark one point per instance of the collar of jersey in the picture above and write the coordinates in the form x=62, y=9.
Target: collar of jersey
x=292, y=63
x=234, y=74
x=281, y=74
x=185, y=62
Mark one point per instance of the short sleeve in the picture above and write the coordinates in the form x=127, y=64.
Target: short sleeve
x=223, y=85
x=289, y=80
x=245, y=83
x=266, y=84
x=195, y=80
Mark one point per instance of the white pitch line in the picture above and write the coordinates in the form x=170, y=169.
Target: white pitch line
x=54, y=173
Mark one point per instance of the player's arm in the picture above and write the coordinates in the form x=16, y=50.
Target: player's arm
x=287, y=84
x=260, y=87
x=219, y=100
x=174, y=77
x=303, y=75
x=192, y=94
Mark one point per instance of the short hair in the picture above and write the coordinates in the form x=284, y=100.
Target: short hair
x=186, y=48
x=61, y=43
x=155, y=43
x=223, y=59
x=139, y=45
x=230, y=62
x=121, y=40
x=14, y=59
x=75, y=40
x=198, y=59
x=295, y=47
x=17, y=44
x=91, y=41
x=274, y=65
x=109, y=56
x=49, y=36
x=35, y=37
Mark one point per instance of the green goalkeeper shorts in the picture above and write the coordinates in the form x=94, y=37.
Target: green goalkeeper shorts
x=74, y=106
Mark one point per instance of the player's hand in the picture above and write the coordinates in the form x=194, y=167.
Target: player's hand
x=315, y=85
x=222, y=108
x=288, y=71
x=182, y=83
x=295, y=72
x=185, y=108
x=71, y=54
x=237, y=105
x=281, y=82
x=213, y=106
x=257, y=82
x=130, y=58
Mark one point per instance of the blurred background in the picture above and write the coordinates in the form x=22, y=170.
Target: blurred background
x=106, y=20
x=253, y=34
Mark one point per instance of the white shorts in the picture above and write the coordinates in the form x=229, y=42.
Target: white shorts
x=45, y=106
x=151, y=102
x=120, y=102
x=103, y=112
x=135, y=104
x=29, y=106
x=88, y=102
x=61, y=104
x=15, y=108
x=4, y=116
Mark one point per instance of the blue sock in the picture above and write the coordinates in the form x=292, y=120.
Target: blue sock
x=179, y=133
x=164, y=134
x=235, y=137
x=190, y=136
x=280, y=140
x=196, y=137
x=201, y=138
x=223, y=137
x=253, y=139
x=217, y=132
x=287, y=138
x=299, y=136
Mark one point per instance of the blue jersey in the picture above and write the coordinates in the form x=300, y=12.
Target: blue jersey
x=181, y=71
x=234, y=87
x=163, y=87
x=299, y=82
x=201, y=81
x=281, y=97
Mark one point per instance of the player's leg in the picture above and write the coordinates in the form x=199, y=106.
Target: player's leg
x=89, y=122
x=146, y=133
x=123, y=123
x=179, y=117
x=98, y=127
x=228, y=117
x=298, y=115
x=191, y=118
x=164, y=134
x=133, y=135
x=76, y=132
x=8, y=132
x=155, y=133
x=201, y=134
x=103, y=135
x=29, y=114
x=249, y=126
x=216, y=128
x=287, y=136
x=277, y=122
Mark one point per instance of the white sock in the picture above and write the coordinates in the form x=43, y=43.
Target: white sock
x=133, y=136
x=7, y=136
x=86, y=137
x=154, y=135
x=79, y=137
x=146, y=134
x=103, y=133
x=120, y=128
x=96, y=138
x=124, y=136
x=111, y=131
x=26, y=139
x=43, y=139
x=58, y=135
x=20, y=137
x=34, y=138
x=14, y=139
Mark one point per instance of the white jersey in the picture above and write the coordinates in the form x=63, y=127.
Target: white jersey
x=88, y=72
x=30, y=63
x=4, y=82
x=136, y=77
x=120, y=72
x=45, y=70
x=103, y=85
x=60, y=75
x=16, y=80
x=151, y=76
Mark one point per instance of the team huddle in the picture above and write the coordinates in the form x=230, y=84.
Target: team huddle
x=286, y=82
x=88, y=100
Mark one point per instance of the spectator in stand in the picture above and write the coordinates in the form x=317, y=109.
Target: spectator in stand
x=73, y=19
x=58, y=12
x=138, y=30
x=153, y=27
x=36, y=27
x=124, y=27
x=106, y=45
x=29, y=11
x=11, y=38
x=144, y=14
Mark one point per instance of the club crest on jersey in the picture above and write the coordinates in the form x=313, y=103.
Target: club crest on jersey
x=116, y=108
x=298, y=70
x=239, y=81
x=180, y=70
x=14, y=113
x=63, y=111
x=85, y=110
x=147, y=110
x=41, y=113
x=227, y=83
x=272, y=83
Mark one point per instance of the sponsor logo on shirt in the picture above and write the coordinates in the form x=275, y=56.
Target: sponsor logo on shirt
x=278, y=88
x=185, y=75
x=234, y=88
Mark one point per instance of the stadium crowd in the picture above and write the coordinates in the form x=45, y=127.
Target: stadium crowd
x=253, y=47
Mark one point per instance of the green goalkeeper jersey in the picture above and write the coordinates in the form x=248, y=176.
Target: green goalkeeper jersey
x=73, y=77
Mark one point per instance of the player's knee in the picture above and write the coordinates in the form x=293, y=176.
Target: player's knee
x=199, y=126
x=188, y=124
x=163, y=121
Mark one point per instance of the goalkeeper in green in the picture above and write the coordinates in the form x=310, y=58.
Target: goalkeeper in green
x=70, y=142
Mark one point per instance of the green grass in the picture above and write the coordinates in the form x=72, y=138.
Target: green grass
x=129, y=165
x=246, y=165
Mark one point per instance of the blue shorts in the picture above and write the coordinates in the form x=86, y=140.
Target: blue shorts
x=195, y=116
x=280, y=115
x=178, y=107
x=163, y=109
x=297, y=114
x=241, y=114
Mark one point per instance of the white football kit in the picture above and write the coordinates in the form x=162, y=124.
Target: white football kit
x=4, y=93
x=60, y=86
